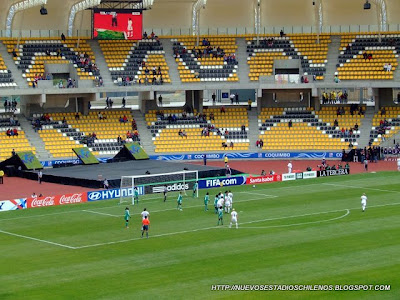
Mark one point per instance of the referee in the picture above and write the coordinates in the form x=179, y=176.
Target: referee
x=145, y=226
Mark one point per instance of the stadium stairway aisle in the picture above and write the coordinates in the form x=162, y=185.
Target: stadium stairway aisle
x=169, y=58
x=34, y=139
x=253, y=128
x=16, y=74
x=333, y=58
x=366, y=126
x=145, y=135
x=101, y=62
x=243, y=67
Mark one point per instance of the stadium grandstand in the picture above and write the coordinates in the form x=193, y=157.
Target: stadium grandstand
x=184, y=77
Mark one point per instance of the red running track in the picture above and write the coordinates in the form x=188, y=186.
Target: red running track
x=14, y=187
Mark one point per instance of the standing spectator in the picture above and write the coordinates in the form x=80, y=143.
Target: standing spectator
x=232, y=97
x=63, y=37
x=1, y=176
x=290, y=124
x=105, y=184
x=160, y=100
x=237, y=98
x=205, y=159
x=13, y=152
x=213, y=97
x=366, y=165
x=123, y=102
x=40, y=176
x=289, y=166
x=249, y=104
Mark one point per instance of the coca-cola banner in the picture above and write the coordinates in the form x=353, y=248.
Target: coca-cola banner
x=56, y=200
x=263, y=179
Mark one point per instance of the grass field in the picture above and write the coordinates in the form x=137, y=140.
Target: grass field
x=301, y=232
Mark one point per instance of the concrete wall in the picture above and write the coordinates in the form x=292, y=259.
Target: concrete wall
x=218, y=13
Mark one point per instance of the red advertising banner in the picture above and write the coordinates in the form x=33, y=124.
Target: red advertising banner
x=263, y=179
x=56, y=200
x=117, y=26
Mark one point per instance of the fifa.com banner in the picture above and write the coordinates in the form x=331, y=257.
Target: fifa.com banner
x=112, y=194
x=263, y=179
x=221, y=181
x=56, y=200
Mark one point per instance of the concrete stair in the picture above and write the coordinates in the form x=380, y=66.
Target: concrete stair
x=145, y=134
x=34, y=139
x=16, y=73
x=243, y=67
x=253, y=133
x=365, y=127
x=169, y=58
x=101, y=63
x=333, y=58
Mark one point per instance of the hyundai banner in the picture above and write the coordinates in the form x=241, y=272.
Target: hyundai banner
x=221, y=181
x=112, y=194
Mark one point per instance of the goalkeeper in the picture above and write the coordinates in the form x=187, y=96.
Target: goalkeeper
x=135, y=196
x=195, y=186
x=127, y=217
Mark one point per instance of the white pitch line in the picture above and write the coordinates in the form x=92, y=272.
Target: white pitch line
x=215, y=227
x=361, y=187
x=151, y=236
x=35, y=239
x=259, y=194
x=297, y=224
x=100, y=213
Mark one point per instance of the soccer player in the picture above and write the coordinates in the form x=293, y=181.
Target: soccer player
x=145, y=214
x=234, y=218
x=165, y=193
x=363, y=202
x=136, y=195
x=220, y=215
x=145, y=226
x=179, y=201
x=206, y=199
x=216, y=203
x=227, y=204
x=127, y=217
x=195, y=189
x=221, y=201
x=230, y=194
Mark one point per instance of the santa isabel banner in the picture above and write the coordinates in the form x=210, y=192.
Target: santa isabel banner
x=263, y=179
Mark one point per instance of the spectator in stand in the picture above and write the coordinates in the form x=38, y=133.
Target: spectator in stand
x=231, y=145
x=272, y=172
x=119, y=140
x=222, y=109
x=100, y=116
x=263, y=173
x=77, y=116
x=243, y=128
x=232, y=97
x=160, y=100
x=290, y=124
x=336, y=123
x=64, y=121
x=356, y=126
x=124, y=119
x=249, y=102
x=282, y=33
x=180, y=133
x=13, y=153
x=383, y=111
x=306, y=79
x=184, y=134
x=123, y=102
x=365, y=55
x=63, y=37
x=15, y=132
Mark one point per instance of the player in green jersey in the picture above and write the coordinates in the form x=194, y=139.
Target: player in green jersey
x=206, y=199
x=127, y=217
x=220, y=215
x=179, y=201
x=216, y=203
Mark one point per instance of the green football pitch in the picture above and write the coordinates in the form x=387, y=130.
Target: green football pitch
x=291, y=234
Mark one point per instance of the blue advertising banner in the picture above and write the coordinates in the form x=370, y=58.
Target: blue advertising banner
x=272, y=155
x=112, y=194
x=221, y=181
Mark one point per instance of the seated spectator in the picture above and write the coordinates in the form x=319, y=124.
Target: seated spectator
x=383, y=111
x=121, y=120
x=263, y=173
x=224, y=145
x=306, y=79
x=385, y=67
x=212, y=116
x=356, y=126
x=336, y=79
x=282, y=33
x=272, y=172
x=64, y=121
x=336, y=123
x=369, y=56
x=8, y=132
x=119, y=140
x=308, y=169
x=125, y=119
x=100, y=116
x=243, y=128
x=231, y=145
x=15, y=132
x=222, y=109
x=389, y=67
x=290, y=124
x=145, y=35
x=14, y=53
x=184, y=134
x=180, y=133
x=365, y=55
x=77, y=116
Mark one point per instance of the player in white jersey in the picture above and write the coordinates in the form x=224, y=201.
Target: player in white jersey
x=144, y=214
x=220, y=202
x=234, y=218
x=398, y=164
x=230, y=194
x=364, y=202
x=227, y=204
